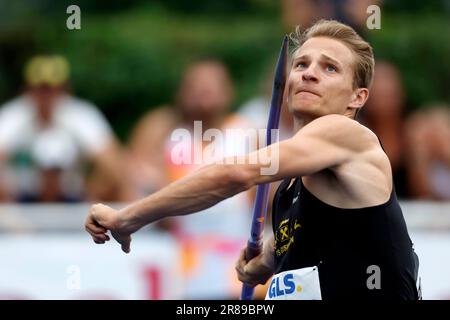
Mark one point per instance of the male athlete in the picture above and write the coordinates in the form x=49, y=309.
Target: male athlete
x=338, y=228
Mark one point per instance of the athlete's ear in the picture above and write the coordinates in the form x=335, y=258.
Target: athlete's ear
x=359, y=98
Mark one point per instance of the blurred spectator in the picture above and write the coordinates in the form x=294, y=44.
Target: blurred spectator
x=47, y=136
x=205, y=94
x=384, y=114
x=300, y=12
x=213, y=236
x=256, y=110
x=428, y=153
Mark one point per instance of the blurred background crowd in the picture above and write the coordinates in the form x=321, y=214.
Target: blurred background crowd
x=87, y=115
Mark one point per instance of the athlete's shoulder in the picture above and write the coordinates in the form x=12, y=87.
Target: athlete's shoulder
x=342, y=130
x=336, y=121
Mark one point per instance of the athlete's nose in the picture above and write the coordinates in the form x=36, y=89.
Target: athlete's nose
x=310, y=75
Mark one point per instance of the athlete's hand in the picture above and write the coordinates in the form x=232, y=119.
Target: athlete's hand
x=258, y=270
x=102, y=218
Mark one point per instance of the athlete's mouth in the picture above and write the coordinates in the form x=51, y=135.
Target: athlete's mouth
x=307, y=91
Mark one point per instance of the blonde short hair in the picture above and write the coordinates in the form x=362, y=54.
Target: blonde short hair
x=364, y=60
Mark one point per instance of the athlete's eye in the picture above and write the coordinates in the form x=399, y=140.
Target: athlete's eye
x=331, y=68
x=300, y=65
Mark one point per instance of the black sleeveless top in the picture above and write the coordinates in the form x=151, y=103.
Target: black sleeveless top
x=347, y=245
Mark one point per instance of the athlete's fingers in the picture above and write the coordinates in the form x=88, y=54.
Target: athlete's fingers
x=126, y=246
x=100, y=235
x=95, y=228
x=92, y=225
x=242, y=260
x=246, y=279
x=92, y=233
x=98, y=241
x=240, y=263
x=101, y=215
x=123, y=240
x=240, y=267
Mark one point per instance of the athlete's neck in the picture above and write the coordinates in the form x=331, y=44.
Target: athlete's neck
x=301, y=122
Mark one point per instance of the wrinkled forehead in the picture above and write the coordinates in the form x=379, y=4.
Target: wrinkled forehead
x=326, y=47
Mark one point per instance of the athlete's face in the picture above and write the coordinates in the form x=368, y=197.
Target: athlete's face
x=321, y=80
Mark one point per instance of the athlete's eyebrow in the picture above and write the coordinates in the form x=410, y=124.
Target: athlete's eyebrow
x=297, y=57
x=323, y=56
x=332, y=60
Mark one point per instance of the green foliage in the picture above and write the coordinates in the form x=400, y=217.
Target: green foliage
x=130, y=62
x=420, y=46
x=129, y=55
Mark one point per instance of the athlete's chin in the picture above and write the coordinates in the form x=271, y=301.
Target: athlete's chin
x=305, y=107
